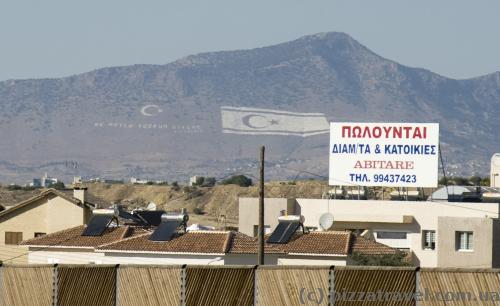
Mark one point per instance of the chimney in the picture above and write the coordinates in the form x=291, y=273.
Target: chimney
x=80, y=193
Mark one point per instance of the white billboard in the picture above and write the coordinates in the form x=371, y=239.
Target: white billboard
x=384, y=154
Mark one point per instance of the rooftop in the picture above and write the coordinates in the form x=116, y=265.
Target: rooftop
x=317, y=243
x=205, y=242
x=133, y=239
x=72, y=237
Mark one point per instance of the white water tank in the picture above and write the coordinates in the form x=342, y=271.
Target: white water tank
x=495, y=170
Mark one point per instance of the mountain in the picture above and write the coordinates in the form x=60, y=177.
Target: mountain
x=166, y=121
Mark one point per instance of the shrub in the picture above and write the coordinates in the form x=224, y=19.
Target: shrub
x=58, y=185
x=239, y=180
x=199, y=181
x=485, y=181
x=209, y=182
x=397, y=259
x=198, y=211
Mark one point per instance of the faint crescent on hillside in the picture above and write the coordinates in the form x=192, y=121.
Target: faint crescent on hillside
x=247, y=118
x=144, y=110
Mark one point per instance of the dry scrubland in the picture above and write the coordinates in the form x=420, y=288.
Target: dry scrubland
x=212, y=201
x=205, y=205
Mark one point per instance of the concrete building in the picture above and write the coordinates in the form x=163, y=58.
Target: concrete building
x=139, y=181
x=48, y=212
x=438, y=233
x=131, y=245
x=202, y=181
x=47, y=181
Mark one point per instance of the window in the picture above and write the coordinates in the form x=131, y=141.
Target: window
x=38, y=234
x=429, y=240
x=13, y=237
x=391, y=235
x=464, y=241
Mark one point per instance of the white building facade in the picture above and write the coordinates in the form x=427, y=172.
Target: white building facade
x=417, y=226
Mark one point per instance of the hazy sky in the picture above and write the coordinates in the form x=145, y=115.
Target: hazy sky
x=455, y=38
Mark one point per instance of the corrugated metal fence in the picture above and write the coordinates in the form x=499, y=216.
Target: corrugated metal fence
x=245, y=285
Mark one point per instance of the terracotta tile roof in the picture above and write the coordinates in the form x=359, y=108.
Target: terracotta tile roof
x=72, y=237
x=243, y=244
x=324, y=243
x=320, y=243
x=207, y=242
x=136, y=239
x=327, y=243
x=369, y=247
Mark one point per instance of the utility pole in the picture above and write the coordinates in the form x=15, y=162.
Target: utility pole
x=444, y=171
x=260, y=260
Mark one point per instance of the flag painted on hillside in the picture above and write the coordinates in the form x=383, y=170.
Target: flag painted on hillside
x=260, y=121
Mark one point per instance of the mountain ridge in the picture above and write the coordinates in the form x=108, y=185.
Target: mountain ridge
x=71, y=120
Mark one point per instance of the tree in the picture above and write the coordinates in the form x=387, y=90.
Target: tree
x=397, y=259
x=58, y=185
x=475, y=180
x=442, y=181
x=175, y=186
x=239, y=180
x=460, y=181
x=199, y=181
x=198, y=211
x=14, y=187
x=486, y=181
x=209, y=182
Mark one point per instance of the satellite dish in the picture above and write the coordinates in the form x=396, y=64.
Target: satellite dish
x=151, y=206
x=325, y=221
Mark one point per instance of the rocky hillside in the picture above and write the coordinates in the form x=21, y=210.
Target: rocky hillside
x=208, y=203
x=165, y=121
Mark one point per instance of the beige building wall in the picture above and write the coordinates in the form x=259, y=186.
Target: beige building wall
x=64, y=256
x=89, y=256
x=46, y=215
x=313, y=261
x=29, y=220
x=390, y=217
x=249, y=259
x=162, y=259
x=481, y=255
x=62, y=214
x=13, y=254
x=249, y=212
x=411, y=217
